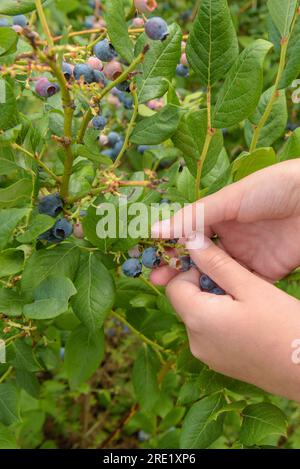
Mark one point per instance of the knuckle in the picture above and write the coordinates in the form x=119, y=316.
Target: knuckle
x=218, y=261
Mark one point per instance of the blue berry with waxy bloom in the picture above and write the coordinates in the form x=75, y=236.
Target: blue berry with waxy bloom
x=99, y=78
x=4, y=22
x=182, y=71
x=209, y=286
x=105, y=51
x=118, y=147
x=113, y=138
x=45, y=88
x=151, y=258
x=124, y=86
x=20, y=20
x=85, y=72
x=51, y=205
x=184, y=263
x=99, y=122
x=108, y=152
x=157, y=29
x=142, y=148
x=62, y=229
x=67, y=70
x=89, y=22
x=132, y=268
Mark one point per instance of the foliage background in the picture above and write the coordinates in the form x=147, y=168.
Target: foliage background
x=120, y=374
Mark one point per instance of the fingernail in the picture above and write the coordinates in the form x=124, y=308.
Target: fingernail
x=161, y=227
x=198, y=241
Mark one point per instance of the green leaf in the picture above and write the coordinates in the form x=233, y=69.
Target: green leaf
x=83, y=355
x=39, y=225
x=28, y=381
x=144, y=378
x=276, y=123
x=252, y=162
x=118, y=29
x=11, y=262
x=7, y=438
x=95, y=292
x=61, y=261
x=212, y=46
x=9, y=116
x=16, y=194
x=8, y=41
x=9, y=404
x=201, y=427
x=11, y=303
x=190, y=137
x=157, y=128
x=291, y=149
x=17, y=7
x=24, y=357
x=282, y=14
x=292, y=67
x=159, y=65
x=51, y=298
x=9, y=219
x=241, y=91
x=260, y=421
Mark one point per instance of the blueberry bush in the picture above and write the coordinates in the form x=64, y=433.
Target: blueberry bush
x=153, y=102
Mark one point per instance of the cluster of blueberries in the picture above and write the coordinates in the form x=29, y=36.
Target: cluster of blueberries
x=52, y=205
x=151, y=258
x=17, y=20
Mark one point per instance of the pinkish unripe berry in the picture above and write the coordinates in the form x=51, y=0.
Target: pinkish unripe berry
x=95, y=63
x=138, y=22
x=17, y=28
x=155, y=104
x=78, y=231
x=112, y=70
x=103, y=140
x=114, y=101
x=45, y=88
x=145, y=6
x=183, y=60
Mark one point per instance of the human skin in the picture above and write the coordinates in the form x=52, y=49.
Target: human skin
x=248, y=333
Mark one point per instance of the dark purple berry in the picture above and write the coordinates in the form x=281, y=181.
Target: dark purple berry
x=151, y=258
x=45, y=88
x=132, y=268
x=105, y=51
x=182, y=70
x=51, y=205
x=156, y=28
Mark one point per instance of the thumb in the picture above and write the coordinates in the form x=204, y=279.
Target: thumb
x=221, y=268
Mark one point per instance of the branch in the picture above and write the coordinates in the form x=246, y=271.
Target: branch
x=40, y=163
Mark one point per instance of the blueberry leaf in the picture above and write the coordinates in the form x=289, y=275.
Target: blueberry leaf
x=144, y=378
x=291, y=149
x=260, y=422
x=9, y=404
x=9, y=116
x=8, y=41
x=17, y=7
x=276, y=123
x=95, y=292
x=251, y=162
x=84, y=353
x=39, y=225
x=212, y=46
x=282, y=14
x=202, y=425
x=118, y=29
x=157, y=128
x=10, y=302
x=9, y=220
x=159, y=65
x=241, y=91
x=51, y=298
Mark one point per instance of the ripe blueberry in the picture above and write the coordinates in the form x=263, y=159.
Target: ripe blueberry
x=45, y=88
x=142, y=148
x=145, y=6
x=20, y=20
x=151, y=258
x=105, y=51
x=157, y=29
x=209, y=286
x=84, y=71
x=99, y=78
x=51, y=205
x=108, y=152
x=4, y=22
x=124, y=86
x=184, y=263
x=67, y=70
x=182, y=70
x=99, y=122
x=89, y=22
x=62, y=229
x=113, y=138
x=132, y=268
